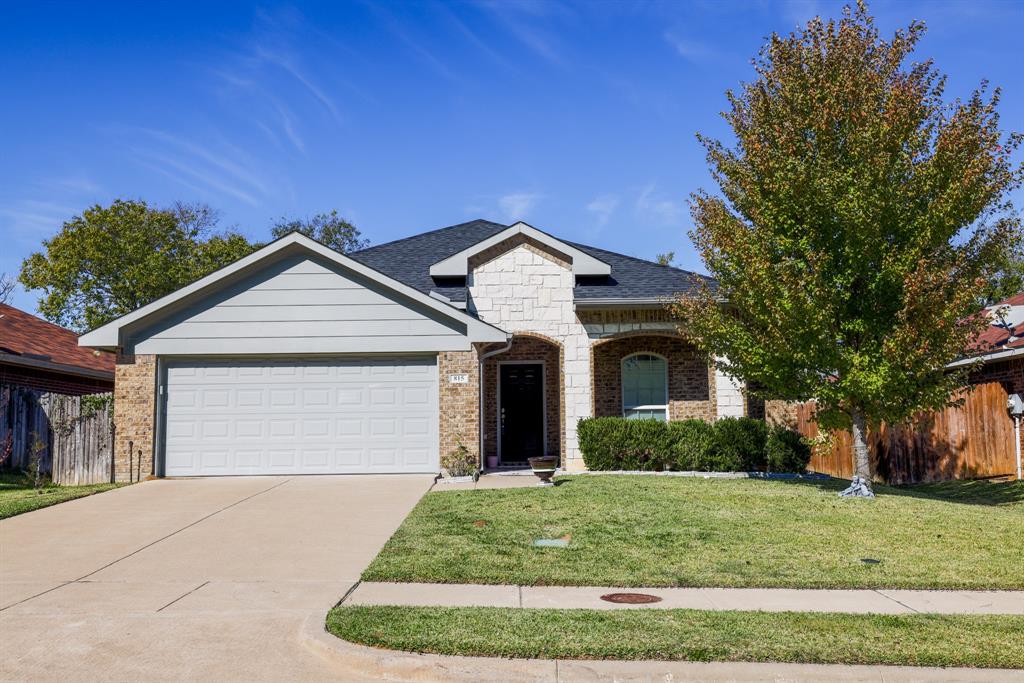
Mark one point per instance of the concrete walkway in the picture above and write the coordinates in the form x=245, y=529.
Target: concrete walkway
x=745, y=599
x=197, y=579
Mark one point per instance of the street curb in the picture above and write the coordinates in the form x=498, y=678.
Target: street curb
x=395, y=665
x=411, y=667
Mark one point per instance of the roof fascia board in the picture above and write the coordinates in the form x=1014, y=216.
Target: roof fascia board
x=109, y=335
x=987, y=357
x=63, y=368
x=457, y=265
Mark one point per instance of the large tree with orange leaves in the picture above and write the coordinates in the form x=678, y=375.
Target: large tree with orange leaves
x=859, y=214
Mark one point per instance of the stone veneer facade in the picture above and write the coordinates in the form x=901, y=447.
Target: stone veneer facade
x=134, y=416
x=523, y=288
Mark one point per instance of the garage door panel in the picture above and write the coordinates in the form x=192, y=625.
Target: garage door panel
x=294, y=417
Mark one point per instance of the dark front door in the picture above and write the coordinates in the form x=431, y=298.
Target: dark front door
x=521, y=417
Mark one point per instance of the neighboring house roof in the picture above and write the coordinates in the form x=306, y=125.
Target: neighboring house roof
x=409, y=260
x=27, y=340
x=110, y=335
x=1004, y=337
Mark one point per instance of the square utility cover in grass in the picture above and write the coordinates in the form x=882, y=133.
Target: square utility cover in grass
x=662, y=531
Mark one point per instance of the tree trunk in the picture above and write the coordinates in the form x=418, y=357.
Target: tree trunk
x=861, y=456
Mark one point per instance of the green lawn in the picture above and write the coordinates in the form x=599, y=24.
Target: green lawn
x=662, y=531
x=17, y=494
x=919, y=639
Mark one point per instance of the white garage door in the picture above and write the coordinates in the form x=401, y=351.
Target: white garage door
x=301, y=417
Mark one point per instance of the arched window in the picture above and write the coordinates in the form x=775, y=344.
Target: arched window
x=644, y=387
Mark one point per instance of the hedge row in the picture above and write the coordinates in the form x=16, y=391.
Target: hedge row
x=729, y=445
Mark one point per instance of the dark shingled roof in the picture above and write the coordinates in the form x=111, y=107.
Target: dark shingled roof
x=408, y=260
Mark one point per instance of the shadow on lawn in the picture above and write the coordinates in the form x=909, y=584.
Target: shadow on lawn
x=965, y=491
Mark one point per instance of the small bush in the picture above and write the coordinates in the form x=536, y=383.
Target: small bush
x=693, y=445
x=739, y=445
x=459, y=462
x=786, y=451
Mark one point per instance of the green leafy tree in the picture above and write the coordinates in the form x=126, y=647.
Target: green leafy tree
x=859, y=217
x=111, y=260
x=665, y=259
x=329, y=229
x=1008, y=279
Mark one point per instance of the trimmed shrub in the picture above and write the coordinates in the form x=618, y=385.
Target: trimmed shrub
x=598, y=438
x=614, y=443
x=786, y=451
x=693, y=445
x=733, y=444
x=739, y=445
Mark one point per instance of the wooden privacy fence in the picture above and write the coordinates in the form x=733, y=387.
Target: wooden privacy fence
x=973, y=441
x=77, y=440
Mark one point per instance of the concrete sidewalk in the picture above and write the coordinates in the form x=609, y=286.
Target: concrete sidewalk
x=743, y=599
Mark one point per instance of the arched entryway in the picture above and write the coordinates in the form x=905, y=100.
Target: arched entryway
x=651, y=375
x=523, y=390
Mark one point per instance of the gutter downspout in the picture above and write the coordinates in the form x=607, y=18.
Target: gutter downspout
x=480, y=375
x=1016, y=434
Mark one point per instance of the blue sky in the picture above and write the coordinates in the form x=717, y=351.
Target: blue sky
x=578, y=118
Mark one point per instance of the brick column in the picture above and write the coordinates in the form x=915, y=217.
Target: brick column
x=459, y=419
x=134, y=415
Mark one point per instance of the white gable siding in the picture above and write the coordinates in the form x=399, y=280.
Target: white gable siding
x=301, y=305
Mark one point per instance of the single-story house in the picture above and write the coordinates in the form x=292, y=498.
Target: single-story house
x=299, y=359
x=1000, y=348
x=39, y=355
x=41, y=365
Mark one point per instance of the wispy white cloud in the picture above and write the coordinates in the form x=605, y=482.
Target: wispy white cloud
x=518, y=205
x=521, y=20
x=602, y=208
x=33, y=219
x=290, y=65
x=689, y=48
x=653, y=206
x=207, y=168
x=74, y=184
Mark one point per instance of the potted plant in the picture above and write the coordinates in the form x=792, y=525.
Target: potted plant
x=459, y=465
x=544, y=467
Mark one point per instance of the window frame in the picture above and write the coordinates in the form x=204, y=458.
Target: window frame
x=644, y=407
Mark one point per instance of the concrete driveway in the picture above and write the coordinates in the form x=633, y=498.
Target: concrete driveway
x=201, y=579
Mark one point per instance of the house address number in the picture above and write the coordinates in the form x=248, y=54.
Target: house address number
x=458, y=379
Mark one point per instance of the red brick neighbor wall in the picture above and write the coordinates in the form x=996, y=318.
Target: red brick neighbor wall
x=54, y=382
x=527, y=347
x=691, y=379
x=459, y=403
x=134, y=415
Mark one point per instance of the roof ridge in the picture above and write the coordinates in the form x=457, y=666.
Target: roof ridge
x=639, y=260
x=429, y=232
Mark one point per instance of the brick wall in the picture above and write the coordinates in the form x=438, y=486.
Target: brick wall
x=1009, y=373
x=134, y=414
x=55, y=382
x=691, y=380
x=526, y=348
x=459, y=403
